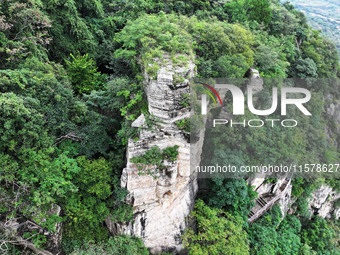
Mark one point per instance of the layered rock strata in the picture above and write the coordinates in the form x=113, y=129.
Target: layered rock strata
x=162, y=204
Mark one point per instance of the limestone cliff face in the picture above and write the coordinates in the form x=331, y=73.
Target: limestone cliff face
x=161, y=204
x=333, y=114
x=323, y=202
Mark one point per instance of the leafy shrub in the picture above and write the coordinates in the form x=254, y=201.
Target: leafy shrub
x=123, y=213
x=233, y=195
x=184, y=124
x=121, y=244
x=319, y=235
x=83, y=74
x=155, y=157
x=185, y=100
x=170, y=153
x=217, y=232
x=87, y=209
x=234, y=66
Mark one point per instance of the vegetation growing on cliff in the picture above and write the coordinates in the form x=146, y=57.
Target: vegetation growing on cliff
x=70, y=84
x=153, y=160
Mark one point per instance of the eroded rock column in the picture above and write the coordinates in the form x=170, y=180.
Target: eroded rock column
x=161, y=205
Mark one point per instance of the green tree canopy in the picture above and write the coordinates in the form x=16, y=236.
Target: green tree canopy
x=217, y=232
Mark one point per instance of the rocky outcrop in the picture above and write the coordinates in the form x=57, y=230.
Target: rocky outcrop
x=161, y=204
x=323, y=202
x=255, y=80
x=334, y=111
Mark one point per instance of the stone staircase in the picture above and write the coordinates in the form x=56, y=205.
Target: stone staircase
x=263, y=204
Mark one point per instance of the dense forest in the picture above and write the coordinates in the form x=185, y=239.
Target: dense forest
x=71, y=84
x=322, y=15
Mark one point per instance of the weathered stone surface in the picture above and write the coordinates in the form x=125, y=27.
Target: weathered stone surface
x=161, y=204
x=320, y=196
x=265, y=188
x=141, y=182
x=255, y=81
x=322, y=202
x=337, y=213
x=286, y=201
x=139, y=122
x=332, y=108
x=256, y=182
x=334, y=111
